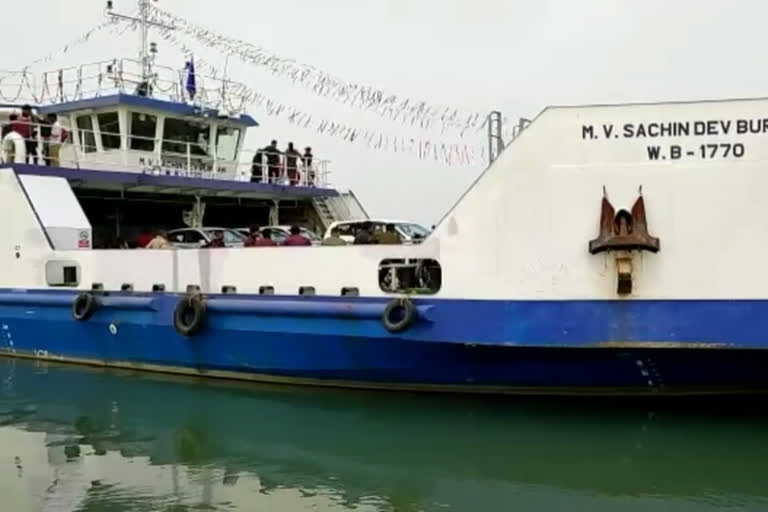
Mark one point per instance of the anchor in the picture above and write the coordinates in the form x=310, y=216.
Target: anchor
x=623, y=231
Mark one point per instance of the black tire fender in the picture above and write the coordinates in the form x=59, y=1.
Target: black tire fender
x=189, y=315
x=399, y=315
x=84, y=306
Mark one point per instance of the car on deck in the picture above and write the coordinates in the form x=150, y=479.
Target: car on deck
x=194, y=238
x=409, y=232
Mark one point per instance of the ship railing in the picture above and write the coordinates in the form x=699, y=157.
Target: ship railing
x=104, y=78
x=169, y=157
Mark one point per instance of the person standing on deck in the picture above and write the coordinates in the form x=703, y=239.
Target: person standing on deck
x=8, y=128
x=58, y=137
x=291, y=164
x=24, y=126
x=45, y=134
x=364, y=235
x=257, y=169
x=306, y=159
x=273, y=161
x=262, y=240
x=216, y=242
x=160, y=241
x=389, y=236
x=295, y=239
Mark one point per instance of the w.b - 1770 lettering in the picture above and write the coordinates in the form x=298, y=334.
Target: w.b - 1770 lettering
x=703, y=152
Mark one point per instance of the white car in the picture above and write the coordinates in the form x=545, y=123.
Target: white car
x=280, y=233
x=193, y=238
x=410, y=232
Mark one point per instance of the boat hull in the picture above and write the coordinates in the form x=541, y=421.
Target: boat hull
x=331, y=343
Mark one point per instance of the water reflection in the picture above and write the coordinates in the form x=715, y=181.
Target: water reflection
x=79, y=439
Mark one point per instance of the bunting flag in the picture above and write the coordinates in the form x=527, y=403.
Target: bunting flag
x=410, y=111
x=84, y=38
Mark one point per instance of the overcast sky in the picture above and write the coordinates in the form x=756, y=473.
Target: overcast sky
x=513, y=55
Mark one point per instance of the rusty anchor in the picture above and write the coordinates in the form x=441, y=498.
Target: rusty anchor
x=623, y=231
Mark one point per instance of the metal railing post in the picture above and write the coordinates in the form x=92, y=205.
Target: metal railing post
x=189, y=159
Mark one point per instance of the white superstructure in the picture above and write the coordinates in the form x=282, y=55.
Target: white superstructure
x=523, y=230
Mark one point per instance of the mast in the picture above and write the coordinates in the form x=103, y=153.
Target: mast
x=147, y=50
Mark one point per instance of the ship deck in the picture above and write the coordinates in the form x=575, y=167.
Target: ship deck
x=179, y=185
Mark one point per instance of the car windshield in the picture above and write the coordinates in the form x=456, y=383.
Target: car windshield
x=310, y=234
x=413, y=230
x=230, y=235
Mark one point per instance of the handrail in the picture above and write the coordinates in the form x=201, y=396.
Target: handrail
x=120, y=76
x=187, y=163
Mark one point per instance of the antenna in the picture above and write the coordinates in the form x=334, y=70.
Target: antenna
x=147, y=50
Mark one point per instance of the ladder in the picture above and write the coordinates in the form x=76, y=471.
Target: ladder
x=324, y=211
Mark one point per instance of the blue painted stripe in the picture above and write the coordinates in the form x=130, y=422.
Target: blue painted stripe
x=202, y=185
x=358, y=360
x=568, y=323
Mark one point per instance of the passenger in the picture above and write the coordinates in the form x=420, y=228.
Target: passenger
x=46, y=125
x=160, y=241
x=9, y=147
x=24, y=126
x=334, y=239
x=365, y=235
x=8, y=128
x=216, y=242
x=389, y=236
x=273, y=161
x=306, y=159
x=144, y=238
x=296, y=239
x=291, y=164
x=253, y=235
x=265, y=240
x=59, y=136
x=257, y=169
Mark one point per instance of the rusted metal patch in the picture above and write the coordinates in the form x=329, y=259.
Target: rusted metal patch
x=660, y=344
x=623, y=230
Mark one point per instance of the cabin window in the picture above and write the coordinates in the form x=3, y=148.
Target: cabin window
x=86, y=133
x=410, y=276
x=62, y=273
x=227, y=140
x=143, y=128
x=178, y=134
x=109, y=126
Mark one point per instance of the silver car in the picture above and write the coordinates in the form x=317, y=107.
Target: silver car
x=194, y=238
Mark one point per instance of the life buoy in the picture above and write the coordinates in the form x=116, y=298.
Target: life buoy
x=84, y=307
x=189, y=315
x=399, y=315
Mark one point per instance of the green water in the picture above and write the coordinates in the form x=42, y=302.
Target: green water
x=80, y=439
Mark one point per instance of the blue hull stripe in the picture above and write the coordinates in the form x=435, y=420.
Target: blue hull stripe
x=482, y=345
x=571, y=323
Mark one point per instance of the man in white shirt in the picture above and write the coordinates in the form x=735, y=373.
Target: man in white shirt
x=58, y=136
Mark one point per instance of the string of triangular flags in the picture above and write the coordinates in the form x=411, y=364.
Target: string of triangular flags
x=450, y=154
x=22, y=85
x=394, y=107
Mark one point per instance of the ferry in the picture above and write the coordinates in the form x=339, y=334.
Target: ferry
x=590, y=257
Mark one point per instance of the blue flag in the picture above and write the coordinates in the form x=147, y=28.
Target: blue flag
x=191, y=83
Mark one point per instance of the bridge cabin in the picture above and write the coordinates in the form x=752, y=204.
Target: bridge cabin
x=140, y=161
